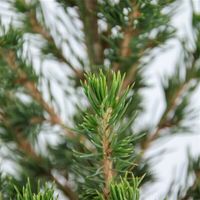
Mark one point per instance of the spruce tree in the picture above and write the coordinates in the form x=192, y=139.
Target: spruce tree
x=72, y=73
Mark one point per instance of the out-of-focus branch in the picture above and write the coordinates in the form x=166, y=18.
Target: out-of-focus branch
x=164, y=122
x=129, y=79
x=37, y=28
x=125, y=50
x=129, y=33
x=88, y=14
x=65, y=188
x=35, y=93
x=192, y=188
x=25, y=147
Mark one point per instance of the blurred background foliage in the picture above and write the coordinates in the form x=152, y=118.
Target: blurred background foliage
x=46, y=47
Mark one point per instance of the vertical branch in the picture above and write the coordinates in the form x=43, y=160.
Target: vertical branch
x=125, y=50
x=107, y=151
x=129, y=32
x=88, y=14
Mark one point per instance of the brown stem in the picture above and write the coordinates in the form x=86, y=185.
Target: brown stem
x=129, y=79
x=107, y=153
x=88, y=14
x=129, y=32
x=125, y=50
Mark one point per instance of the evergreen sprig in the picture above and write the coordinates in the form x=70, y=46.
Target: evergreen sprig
x=112, y=150
x=98, y=159
x=45, y=193
x=124, y=190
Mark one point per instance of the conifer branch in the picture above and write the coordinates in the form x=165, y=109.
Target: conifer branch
x=37, y=28
x=24, y=145
x=107, y=152
x=125, y=50
x=164, y=122
x=109, y=104
x=129, y=32
x=65, y=188
x=35, y=93
x=88, y=14
x=192, y=189
x=99, y=153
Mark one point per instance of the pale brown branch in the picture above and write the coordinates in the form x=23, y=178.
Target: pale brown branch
x=107, y=151
x=129, y=33
x=37, y=28
x=129, y=79
x=25, y=146
x=125, y=50
x=88, y=14
x=36, y=94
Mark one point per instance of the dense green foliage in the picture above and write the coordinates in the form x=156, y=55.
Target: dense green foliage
x=111, y=149
x=72, y=76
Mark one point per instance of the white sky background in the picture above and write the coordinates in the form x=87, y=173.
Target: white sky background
x=173, y=163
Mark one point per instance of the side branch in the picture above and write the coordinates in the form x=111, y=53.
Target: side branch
x=125, y=50
x=25, y=146
x=37, y=28
x=36, y=94
x=129, y=32
x=88, y=14
x=164, y=122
